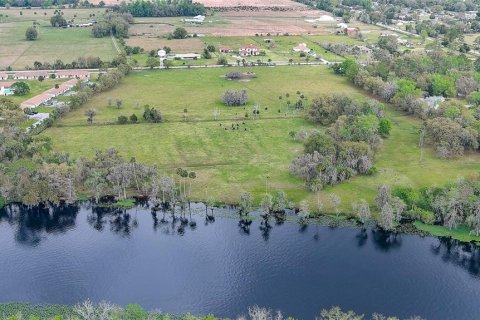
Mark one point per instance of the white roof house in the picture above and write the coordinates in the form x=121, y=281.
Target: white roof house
x=302, y=47
x=182, y=56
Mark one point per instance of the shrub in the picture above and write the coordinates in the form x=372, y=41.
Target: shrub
x=133, y=118
x=31, y=34
x=235, y=98
x=122, y=120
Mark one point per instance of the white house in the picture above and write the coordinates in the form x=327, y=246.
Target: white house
x=3, y=76
x=5, y=88
x=30, y=75
x=66, y=74
x=197, y=19
x=182, y=56
x=342, y=26
x=249, y=50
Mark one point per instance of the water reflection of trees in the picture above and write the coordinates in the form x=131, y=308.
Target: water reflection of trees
x=180, y=219
x=33, y=224
x=386, y=240
x=465, y=255
x=120, y=221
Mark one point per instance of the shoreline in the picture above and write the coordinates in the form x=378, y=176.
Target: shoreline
x=418, y=228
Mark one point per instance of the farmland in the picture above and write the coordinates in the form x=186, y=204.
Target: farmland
x=52, y=43
x=226, y=160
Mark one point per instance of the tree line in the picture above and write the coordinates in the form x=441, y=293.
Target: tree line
x=88, y=310
x=162, y=8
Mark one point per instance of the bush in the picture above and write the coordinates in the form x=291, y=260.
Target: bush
x=151, y=114
x=133, y=118
x=384, y=127
x=222, y=61
x=31, y=34
x=58, y=21
x=122, y=120
x=235, y=98
x=179, y=33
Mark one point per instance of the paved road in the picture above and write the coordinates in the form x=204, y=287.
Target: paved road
x=273, y=64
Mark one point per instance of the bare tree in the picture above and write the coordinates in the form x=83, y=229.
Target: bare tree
x=336, y=201
x=361, y=210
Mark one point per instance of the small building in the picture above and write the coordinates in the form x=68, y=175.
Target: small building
x=3, y=76
x=351, y=31
x=66, y=74
x=186, y=56
x=268, y=40
x=302, y=47
x=5, y=88
x=342, y=26
x=196, y=20
x=225, y=50
x=30, y=75
x=249, y=50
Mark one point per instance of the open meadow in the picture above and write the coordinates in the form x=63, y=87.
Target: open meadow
x=52, y=43
x=227, y=161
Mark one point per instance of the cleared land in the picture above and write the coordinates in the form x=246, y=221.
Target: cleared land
x=52, y=43
x=227, y=161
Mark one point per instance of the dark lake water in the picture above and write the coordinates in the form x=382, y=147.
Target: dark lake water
x=70, y=254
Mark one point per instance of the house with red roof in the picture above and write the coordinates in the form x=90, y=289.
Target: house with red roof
x=30, y=75
x=249, y=50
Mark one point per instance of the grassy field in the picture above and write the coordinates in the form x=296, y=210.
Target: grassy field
x=52, y=43
x=228, y=161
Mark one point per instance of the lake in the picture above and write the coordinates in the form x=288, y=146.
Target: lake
x=69, y=254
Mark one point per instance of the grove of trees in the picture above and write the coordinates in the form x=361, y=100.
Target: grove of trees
x=355, y=131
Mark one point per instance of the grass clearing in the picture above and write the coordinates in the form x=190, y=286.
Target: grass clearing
x=228, y=161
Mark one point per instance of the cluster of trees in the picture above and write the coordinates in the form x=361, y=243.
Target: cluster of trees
x=235, y=97
x=342, y=48
x=20, y=88
x=451, y=205
x=87, y=310
x=58, y=20
x=151, y=114
x=162, y=8
x=355, y=130
x=113, y=23
x=418, y=84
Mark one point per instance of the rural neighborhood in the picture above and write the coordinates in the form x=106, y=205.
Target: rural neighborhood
x=247, y=159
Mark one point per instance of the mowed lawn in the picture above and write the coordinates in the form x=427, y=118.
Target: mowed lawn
x=229, y=161
x=52, y=43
